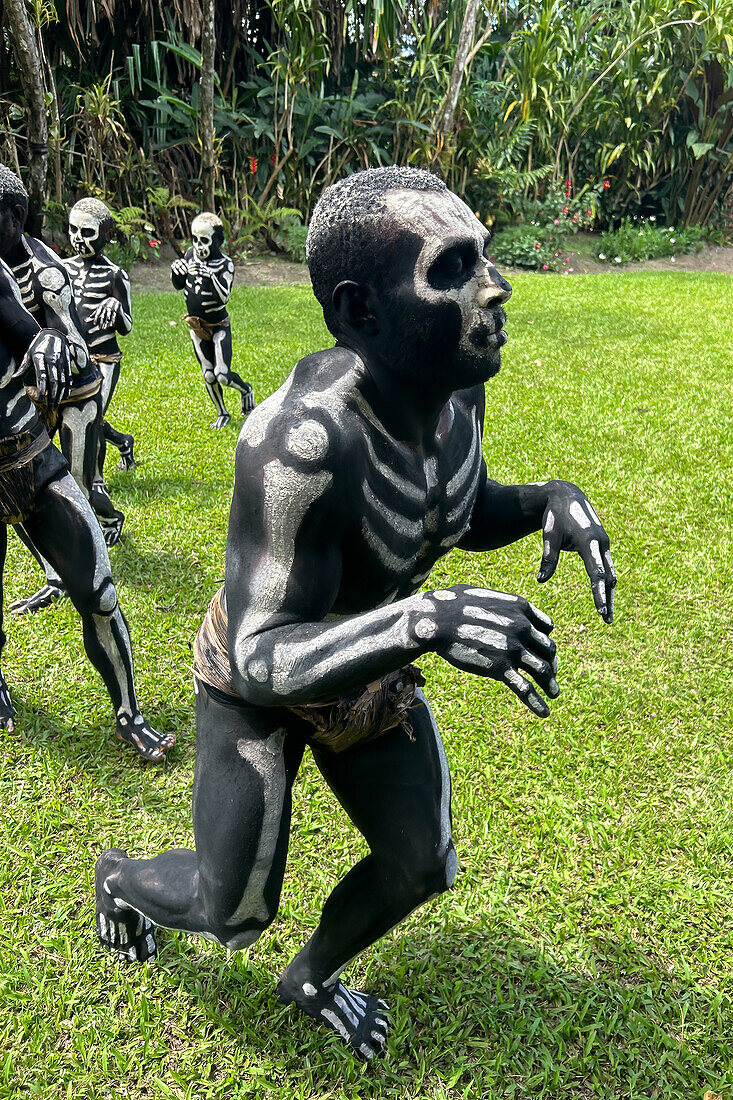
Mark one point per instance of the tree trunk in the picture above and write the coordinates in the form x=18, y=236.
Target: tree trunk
x=447, y=113
x=206, y=105
x=31, y=79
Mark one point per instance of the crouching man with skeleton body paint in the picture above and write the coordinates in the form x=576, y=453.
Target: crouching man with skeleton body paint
x=102, y=296
x=205, y=275
x=352, y=480
x=37, y=489
x=47, y=295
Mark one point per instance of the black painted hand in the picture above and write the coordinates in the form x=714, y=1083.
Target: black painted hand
x=179, y=267
x=48, y=369
x=494, y=634
x=570, y=523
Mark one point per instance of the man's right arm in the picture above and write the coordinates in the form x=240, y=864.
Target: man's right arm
x=283, y=575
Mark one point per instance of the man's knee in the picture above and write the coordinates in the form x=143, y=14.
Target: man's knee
x=91, y=600
x=222, y=376
x=426, y=874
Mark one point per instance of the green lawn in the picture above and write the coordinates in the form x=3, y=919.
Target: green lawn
x=586, y=949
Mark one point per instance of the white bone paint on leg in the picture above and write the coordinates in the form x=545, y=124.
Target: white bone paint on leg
x=267, y=760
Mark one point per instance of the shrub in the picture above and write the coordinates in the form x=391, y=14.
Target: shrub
x=639, y=239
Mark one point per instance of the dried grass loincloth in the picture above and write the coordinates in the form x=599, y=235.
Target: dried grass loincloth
x=352, y=720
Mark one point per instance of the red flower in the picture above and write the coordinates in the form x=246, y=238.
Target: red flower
x=537, y=244
x=153, y=243
x=565, y=209
x=253, y=165
x=606, y=185
x=589, y=213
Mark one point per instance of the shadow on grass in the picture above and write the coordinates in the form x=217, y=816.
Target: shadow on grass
x=94, y=749
x=480, y=1007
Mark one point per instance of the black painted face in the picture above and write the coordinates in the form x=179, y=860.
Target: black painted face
x=86, y=235
x=441, y=319
x=11, y=230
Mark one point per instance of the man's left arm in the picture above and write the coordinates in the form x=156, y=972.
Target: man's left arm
x=221, y=280
x=503, y=514
x=116, y=310
x=60, y=312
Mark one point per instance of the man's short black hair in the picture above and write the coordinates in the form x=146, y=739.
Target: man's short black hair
x=12, y=191
x=347, y=236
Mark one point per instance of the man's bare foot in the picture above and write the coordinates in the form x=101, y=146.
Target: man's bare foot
x=359, y=1018
x=44, y=597
x=149, y=743
x=7, y=710
x=221, y=421
x=127, y=456
x=120, y=928
x=111, y=528
x=248, y=400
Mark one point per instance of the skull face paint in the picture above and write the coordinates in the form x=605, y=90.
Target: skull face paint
x=207, y=234
x=446, y=302
x=86, y=235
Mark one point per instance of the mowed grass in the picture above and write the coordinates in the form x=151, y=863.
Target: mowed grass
x=586, y=948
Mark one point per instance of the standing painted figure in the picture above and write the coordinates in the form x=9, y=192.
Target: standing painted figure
x=46, y=290
x=352, y=480
x=102, y=296
x=37, y=489
x=205, y=276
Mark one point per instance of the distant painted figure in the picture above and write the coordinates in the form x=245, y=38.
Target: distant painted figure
x=47, y=295
x=360, y=473
x=102, y=296
x=36, y=489
x=205, y=276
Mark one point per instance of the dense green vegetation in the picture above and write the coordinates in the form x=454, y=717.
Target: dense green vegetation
x=585, y=951
x=627, y=105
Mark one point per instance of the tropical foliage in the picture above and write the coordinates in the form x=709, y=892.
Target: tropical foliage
x=554, y=94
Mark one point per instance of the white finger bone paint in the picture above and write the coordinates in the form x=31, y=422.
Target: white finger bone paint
x=486, y=637
x=271, y=769
x=486, y=616
x=468, y=658
x=532, y=663
x=595, y=553
x=578, y=514
x=491, y=594
x=591, y=512
x=512, y=677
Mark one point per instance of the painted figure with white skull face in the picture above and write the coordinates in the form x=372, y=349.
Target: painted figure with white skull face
x=46, y=289
x=205, y=276
x=36, y=487
x=102, y=295
x=352, y=481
